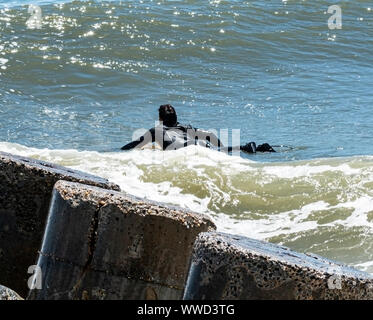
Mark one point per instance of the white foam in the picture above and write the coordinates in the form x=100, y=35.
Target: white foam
x=272, y=199
x=291, y=172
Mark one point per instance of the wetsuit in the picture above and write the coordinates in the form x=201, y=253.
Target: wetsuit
x=179, y=136
x=175, y=137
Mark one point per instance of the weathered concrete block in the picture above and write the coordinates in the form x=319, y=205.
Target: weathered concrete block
x=7, y=294
x=25, y=190
x=234, y=267
x=102, y=244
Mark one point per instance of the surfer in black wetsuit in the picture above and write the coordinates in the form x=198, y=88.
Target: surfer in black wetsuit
x=171, y=135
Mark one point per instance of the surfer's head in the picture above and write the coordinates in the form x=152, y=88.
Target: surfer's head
x=167, y=115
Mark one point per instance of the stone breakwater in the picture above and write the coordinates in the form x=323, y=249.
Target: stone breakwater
x=115, y=246
x=233, y=267
x=25, y=192
x=7, y=294
x=91, y=241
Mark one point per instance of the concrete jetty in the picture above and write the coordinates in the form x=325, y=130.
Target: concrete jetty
x=25, y=193
x=102, y=244
x=234, y=267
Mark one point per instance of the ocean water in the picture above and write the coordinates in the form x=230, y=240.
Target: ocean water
x=76, y=89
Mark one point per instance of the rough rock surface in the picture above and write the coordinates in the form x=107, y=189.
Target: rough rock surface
x=234, y=267
x=7, y=294
x=102, y=244
x=25, y=191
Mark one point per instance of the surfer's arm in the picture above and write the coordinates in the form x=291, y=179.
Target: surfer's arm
x=210, y=137
x=133, y=144
x=140, y=142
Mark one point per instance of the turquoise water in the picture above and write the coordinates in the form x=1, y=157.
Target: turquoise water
x=74, y=91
